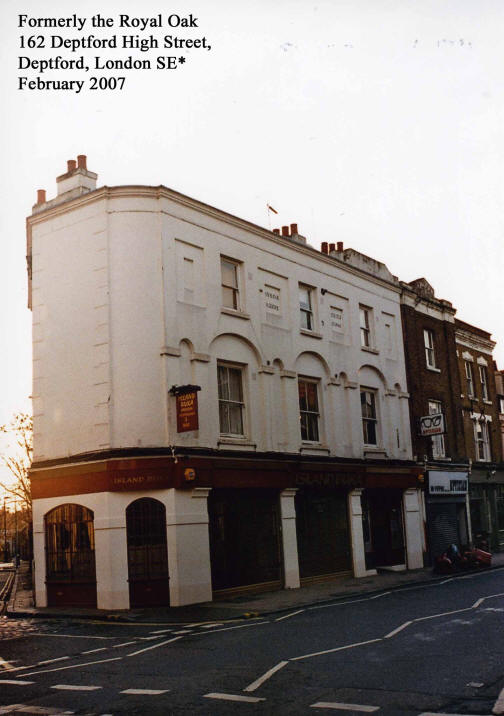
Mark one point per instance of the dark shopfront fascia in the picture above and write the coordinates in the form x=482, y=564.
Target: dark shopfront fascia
x=486, y=495
x=446, y=503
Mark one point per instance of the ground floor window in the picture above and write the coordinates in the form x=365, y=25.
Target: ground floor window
x=70, y=548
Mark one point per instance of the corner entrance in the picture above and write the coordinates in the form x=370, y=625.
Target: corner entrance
x=147, y=553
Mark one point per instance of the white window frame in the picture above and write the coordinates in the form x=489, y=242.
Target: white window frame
x=482, y=444
x=306, y=312
x=234, y=286
x=365, y=326
x=312, y=417
x=430, y=352
x=226, y=402
x=469, y=378
x=370, y=419
x=484, y=381
x=438, y=441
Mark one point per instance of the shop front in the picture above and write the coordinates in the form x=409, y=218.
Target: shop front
x=446, y=505
x=486, y=491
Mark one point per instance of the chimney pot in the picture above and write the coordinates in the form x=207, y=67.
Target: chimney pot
x=285, y=231
x=324, y=247
x=71, y=165
x=332, y=247
x=81, y=161
x=276, y=231
x=293, y=229
x=340, y=245
x=41, y=196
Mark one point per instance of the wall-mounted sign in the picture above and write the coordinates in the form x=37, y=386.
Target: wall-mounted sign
x=447, y=483
x=432, y=424
x=186, y=397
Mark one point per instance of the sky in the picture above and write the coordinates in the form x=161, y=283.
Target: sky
x=379, y=123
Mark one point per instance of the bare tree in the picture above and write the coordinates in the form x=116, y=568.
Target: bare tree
x=18, y=463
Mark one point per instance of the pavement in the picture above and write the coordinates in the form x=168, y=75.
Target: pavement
x=21, y=602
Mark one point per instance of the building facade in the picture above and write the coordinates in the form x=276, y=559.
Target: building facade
x=429, y=329
x=482, y=432
x=217, y=407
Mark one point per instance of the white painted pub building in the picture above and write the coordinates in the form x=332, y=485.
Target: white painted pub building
x=217, y=407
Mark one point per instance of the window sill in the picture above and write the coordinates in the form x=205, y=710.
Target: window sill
x=233, y=312
x=370, y=349
x=487, y=402
x=312, y=334
x=374, y=449
x=318, y=447
x=242, y=442
x=433, y=369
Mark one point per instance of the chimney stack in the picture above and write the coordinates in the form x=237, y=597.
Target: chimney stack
x=71, y=165
x=41, y=196
x=285, y=231
x=324, y=247
x=77, y=179
x=340, y=246
x=332, y=247
x=276, y=231
x=81, y=161
x=293, y=229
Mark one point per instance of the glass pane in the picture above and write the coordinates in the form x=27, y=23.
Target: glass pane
x=229, y=273
x=313, y=427
x=229, y=297
x=364, y=319
x=222, y=377
x=223, y=417
x=235, y=420
x=312, y=397
x=304, y=298
x=306, y=320
x=303, y=405
x=235, y=384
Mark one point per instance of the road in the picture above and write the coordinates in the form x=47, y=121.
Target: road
x=432, y=648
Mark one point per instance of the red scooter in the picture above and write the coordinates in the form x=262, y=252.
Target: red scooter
x=454, y=559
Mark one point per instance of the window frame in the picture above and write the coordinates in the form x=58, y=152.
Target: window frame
x=365, y=331
x=483, y=376
x=230, y=402
x=309, y=420
x=370, y=419
x=429, y=348
x=437, y=441
x=483, y=442
x=234, y=288
x=469, y=376
x=306, y=310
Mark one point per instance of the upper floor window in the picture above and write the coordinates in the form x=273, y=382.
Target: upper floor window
x=469, y=378
x=229, y=283
x=438, y=443
x=231, y=403
x=309, y=413
x=306, y=307
x=481, y=440
x=484, y=381
x=369, y=417
x=430, y=356
x=365, y=326
x=501, y=404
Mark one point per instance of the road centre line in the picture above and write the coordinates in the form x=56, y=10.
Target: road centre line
x=162, y=631
x=74, y=666
x=51, y=661
x=72, y=636
x=292, y=614
x=154, y=646
x=145, y=692
x=94, y=651
x=338, y=648
x=234, y=697
x=23, y=708
x=344, y=707
x=14, y=681
x=240, y=626
x=396, y=631
x=126, y=643
x=378, y=596
x=75, y=687
x=255, y=684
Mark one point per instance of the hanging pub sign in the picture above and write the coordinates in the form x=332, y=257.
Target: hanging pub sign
x=186, y=397
x=432, y=424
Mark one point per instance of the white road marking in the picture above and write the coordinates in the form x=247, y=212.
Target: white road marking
x=74, y=687
x=344, y=707
x=162, y=631
x=476, y=604
x=339, y=604
x=14, y=681
x=94, y=651
x=378, y=596
x=7, y=665
x=255, y=684
x=145, y=692
x=73, y=636
x=126, y=643
x=396, y=631
x=148, y=638
x=211, y=626
x=154, y=646
x=292, y=614
x=499, y=704
x=22, y=708
x=74, y=666
x=475, y=684
x=338, y=648
x=241, y=626
x=51, y=661
x=183, y=631
x=234, y=697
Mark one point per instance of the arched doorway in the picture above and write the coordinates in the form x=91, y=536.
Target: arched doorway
x=70, y=556
x=147, y=553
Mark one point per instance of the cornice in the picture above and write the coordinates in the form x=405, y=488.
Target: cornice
x=471, y=340
x=162, y=192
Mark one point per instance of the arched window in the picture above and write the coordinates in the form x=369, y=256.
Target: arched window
x=70, y=547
